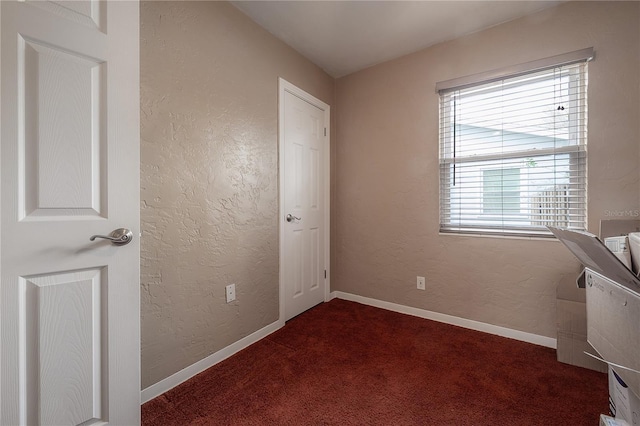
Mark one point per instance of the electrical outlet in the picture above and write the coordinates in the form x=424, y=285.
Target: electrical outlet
x=421, y=284
x=231, y=293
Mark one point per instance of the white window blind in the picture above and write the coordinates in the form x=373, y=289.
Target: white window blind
x=513, y=153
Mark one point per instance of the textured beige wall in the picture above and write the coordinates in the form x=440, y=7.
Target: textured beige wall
x=385, y=211
x=209, y=177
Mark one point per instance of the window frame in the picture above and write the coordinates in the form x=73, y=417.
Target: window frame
x=574, y=152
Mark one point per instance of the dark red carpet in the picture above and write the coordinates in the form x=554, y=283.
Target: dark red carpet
x=343, y=363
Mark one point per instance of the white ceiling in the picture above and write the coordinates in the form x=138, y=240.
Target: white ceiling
x=343, y=37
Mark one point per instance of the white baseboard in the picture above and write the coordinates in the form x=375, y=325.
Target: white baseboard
x=174, y=380
x=523, y=336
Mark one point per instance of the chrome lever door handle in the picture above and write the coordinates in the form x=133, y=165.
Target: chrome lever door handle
x=291, y=217
x=118, y=237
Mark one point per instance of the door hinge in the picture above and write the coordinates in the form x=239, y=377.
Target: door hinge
x=325, y=131
x=325, y=274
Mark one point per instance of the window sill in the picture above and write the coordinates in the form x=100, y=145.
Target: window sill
x=504, y=237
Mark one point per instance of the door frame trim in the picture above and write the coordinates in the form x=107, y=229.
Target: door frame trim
x=285, y=86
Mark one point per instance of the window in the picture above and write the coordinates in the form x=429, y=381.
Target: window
x=501, y=191
x=513, y=149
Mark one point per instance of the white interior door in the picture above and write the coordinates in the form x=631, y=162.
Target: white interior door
x=304, y=179
x=69, y=169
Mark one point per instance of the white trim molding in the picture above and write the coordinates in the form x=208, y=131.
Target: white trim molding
x=523, y=336
x=185, y=374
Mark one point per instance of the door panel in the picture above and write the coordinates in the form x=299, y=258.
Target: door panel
x=91, y=13
x=63, y=136
x=303, y=239
x=63, y=345
x=314, y=259
x=69, y=307
x=297, y=264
